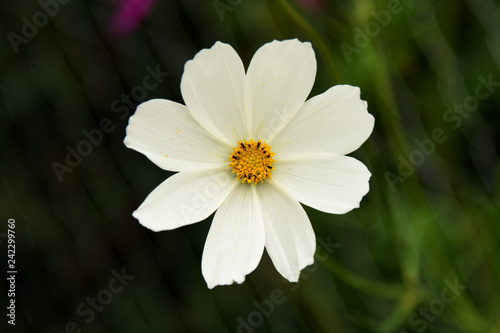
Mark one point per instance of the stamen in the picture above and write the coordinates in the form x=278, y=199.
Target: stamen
x=252, y=161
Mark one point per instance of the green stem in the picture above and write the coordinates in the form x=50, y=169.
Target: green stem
x=368, y=286
x=314, y=36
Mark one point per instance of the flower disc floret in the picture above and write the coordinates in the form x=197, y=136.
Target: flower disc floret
x=252, y=161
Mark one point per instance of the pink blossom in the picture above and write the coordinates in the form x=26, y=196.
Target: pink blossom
x=312, y=4
x=129, y=15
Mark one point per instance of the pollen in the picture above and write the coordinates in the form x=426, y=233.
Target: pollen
x=252, y=161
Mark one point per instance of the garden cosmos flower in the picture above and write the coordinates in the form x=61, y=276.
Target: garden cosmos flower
x=250, y=147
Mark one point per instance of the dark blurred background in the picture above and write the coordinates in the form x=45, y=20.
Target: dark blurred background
x=419, y=255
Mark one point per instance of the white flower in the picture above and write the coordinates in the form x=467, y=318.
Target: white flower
x=250, y=146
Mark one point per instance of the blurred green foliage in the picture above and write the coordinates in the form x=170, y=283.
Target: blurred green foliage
x=420, y=230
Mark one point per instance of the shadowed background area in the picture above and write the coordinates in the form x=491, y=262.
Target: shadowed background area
x=419, y=255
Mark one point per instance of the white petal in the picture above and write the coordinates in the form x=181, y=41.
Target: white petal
x=235, y=242
x=336, y=121
x=290, y=239
x=169, y=136
x=279, y=79
x=185, y=198
x=212, y=88
x=327, y=182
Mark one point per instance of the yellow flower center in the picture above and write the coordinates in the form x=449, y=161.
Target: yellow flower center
x=252, y=161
